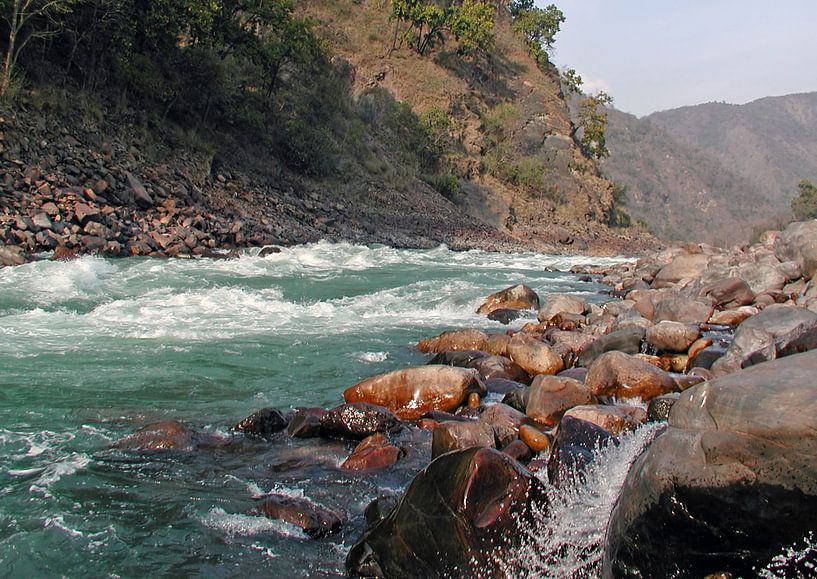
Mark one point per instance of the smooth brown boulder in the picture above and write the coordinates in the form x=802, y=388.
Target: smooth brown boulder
x=357, y=420
x=557, y=303
x=729, y=293
x=453, y=341
x=518, y=297
x=448, y=436
x=551, y=396
x=315, y=520
x=627, y=341
x=375, y=452
x=412, y=392
x=615, y=419
x=683, y=268
x=622, y=376
x=672, y=337
x=497, y=344
x=460, y=517
x=499, y=367
x=166, y=435
x=533, y=356
x=684, y=310
x=502, y=415
x=534, y=438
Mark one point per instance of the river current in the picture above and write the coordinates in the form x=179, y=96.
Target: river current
x=92, y=349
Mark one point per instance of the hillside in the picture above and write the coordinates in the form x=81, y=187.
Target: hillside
x=715, y=172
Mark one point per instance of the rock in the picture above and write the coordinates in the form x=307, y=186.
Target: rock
x=660, y=406
x=681, y=270
x=798, y=242
x=698, y=346
x=50, y=209
x=682, y=310
x=454, y=341
x=268, y=250
x=376, y=452
x=518, y=450
x=574, y=447
x=502, y=385
x=12, y=255
x=517, y=399
x=557, y=303
x=262, y=424
x=412, y=392
x=533, y=356
x=686, y=381
x=729, y=293
x=499, y=367
x=62, y=253
x=306, y=423
x=551, y=396
x=518, y=297
x=502, y=416
x=85, y=213
x=732, y=317
x=673, y=337
x=167, y=435
x=138, y=192
x=627, y=341
x=357, y=420
x=622, y=376
x=734, y=477
x=448, y=436
x=315, y=520
x=777, y=331
x=497, y=344
x=534, y=438
x=461, y=359
x=762, y=277
x=42, y=221
x=615, y=419
x=459, y=517
x=378, y=509
x=505, y=315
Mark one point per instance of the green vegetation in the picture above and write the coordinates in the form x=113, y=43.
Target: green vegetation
x=618, y=216
x=804, y=206
x=537, y=26
x=592, y=123
x=471, y=22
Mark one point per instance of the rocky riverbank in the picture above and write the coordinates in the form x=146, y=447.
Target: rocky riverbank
x=716, y=343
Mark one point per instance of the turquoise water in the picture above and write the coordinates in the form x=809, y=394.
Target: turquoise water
x=92, y=349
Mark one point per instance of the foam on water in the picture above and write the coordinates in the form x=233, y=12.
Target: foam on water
x=235, y=525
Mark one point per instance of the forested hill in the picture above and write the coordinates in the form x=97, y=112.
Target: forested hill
x=401, y=122
x=720, y=170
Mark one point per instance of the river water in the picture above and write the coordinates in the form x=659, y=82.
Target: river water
x=92, y=349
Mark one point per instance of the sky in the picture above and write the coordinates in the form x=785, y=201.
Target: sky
x=652, y=55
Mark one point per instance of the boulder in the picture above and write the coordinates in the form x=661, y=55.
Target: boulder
x=517, y=399
x=673, y=337
x=505, y=315
x=798, y=242
x=660, y=406
x=551, y=396
x=137, y=191
x=762, y=277
x=518, y=297
x=454, y=341
x=448, y=436
x=622, y=376
x=686, y=311
x=459, y=517
x=412, y=392
x=262, y=424
x=306, y=423
x=574, y=447
x=357, y=420
x=534, y=438
x=614, y=419
x=681, y=270
x=166, y=435
x=502, y=416
x=777, y=331
x=627, y=341
x=730, y=292
x=315, y=520
x=533, y=356
x=730, y=485
x=375, y=452
x=12, y=255
x=499, y=367
x=502, y=385
x=518, y=450
x=733, y=317
x=497, y=344
x=557, y=303
x=461, y=358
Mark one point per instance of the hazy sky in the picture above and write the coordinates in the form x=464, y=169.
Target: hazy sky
x=659, y=54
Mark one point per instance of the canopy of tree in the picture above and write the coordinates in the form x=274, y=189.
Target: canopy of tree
x=804, y=206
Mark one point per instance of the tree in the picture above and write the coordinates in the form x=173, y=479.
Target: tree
x=471, y=22
x=571, y=81
x=26, y=19
x=592, y=123
x=804, y=206
x=537, y=26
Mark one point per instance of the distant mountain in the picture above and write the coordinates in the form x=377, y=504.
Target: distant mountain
x=714, y=171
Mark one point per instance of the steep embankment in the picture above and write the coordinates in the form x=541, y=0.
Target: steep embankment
x=714, y=172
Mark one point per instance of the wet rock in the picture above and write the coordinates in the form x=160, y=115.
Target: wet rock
x=166, y=435
x=12, y=255
x=518, y=450
x=739, y=459
x=502, y=416
x=375, y=452
x=357, y=420
x=533, y=356
x=315, y=520
x=660, y=406
x=557, y=303
x=461, y=359
x=85, y=213
x=269, y=250
x=517, y=399
x=518, y=297
x=497, y=344
x=502, y=385
x=627, y=341
x=615, y=419
x=62, y=253
x=412, y=392
x=306, y=423
x=262, y=424
x=534, y=438
x=505, y=315
x=579, y=374
x=459, y=516
x=378, y=509
x=672, y=337
x=551, y=396
x=574, y=447
x=454, y=341
x=622, y=376
x=499, y=367
x=448, y=436
x=42, y=221
x=686, y=381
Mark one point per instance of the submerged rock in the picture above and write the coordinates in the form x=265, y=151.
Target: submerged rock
x=731, y=484
x=458, y=517
x=412, y=392
x=315, y=520
x=574, y=447
x=358, y=420
x=166, y=435
x=262, y=424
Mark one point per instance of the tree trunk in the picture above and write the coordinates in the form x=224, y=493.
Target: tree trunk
x=8, y=58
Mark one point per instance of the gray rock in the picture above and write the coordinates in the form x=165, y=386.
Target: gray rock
x=798, y=242
x=627, y=341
